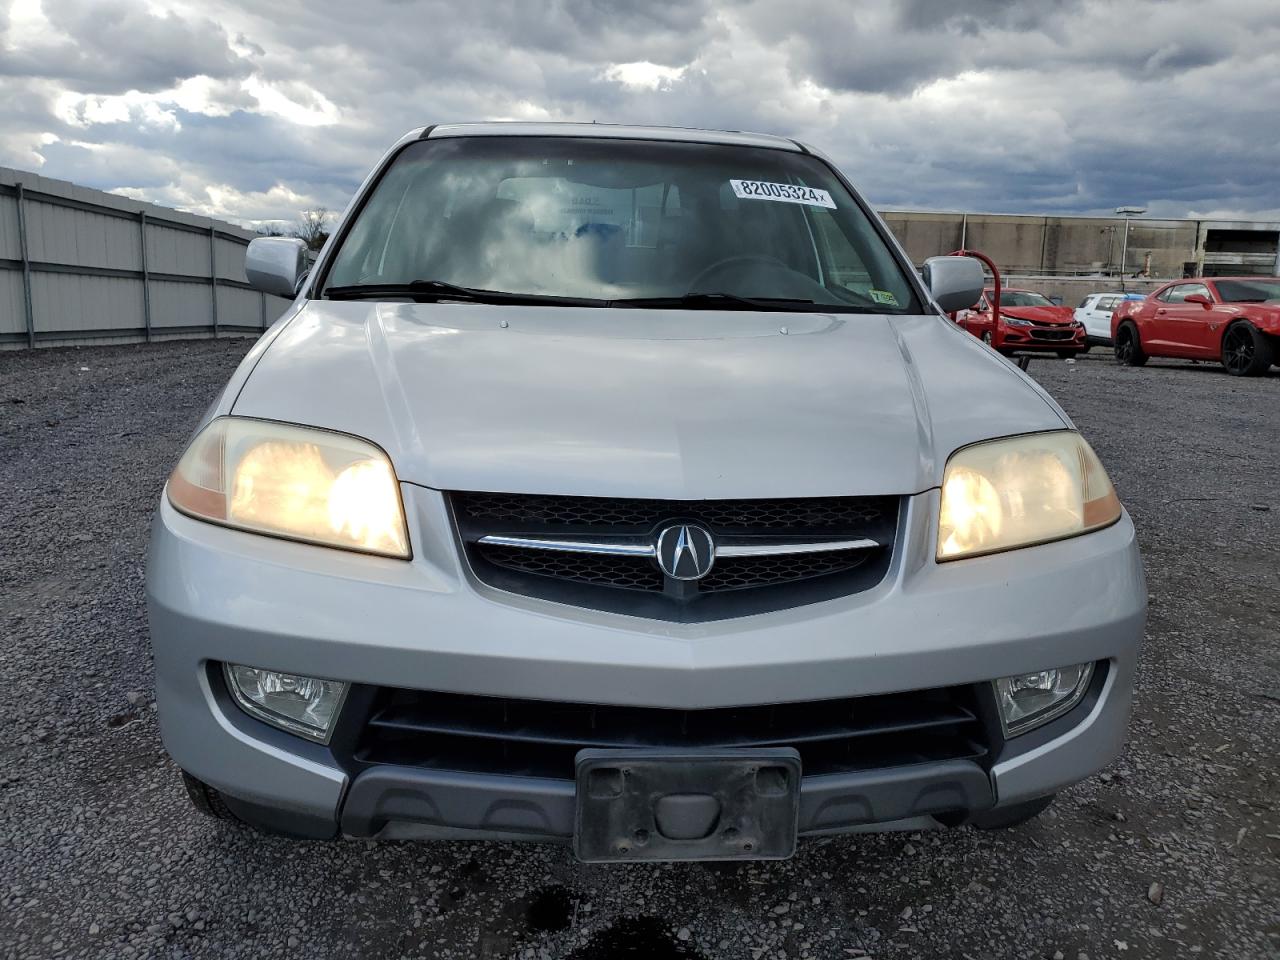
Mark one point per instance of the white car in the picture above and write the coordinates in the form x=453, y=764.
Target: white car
x=1095, y=312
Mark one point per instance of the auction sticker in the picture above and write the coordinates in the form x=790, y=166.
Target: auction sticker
x=781, y=192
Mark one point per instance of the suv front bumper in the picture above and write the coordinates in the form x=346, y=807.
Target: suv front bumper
x=219, y=595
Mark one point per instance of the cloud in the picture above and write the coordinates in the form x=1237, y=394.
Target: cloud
x=111, y=46
x=972, y=17
x=253, y=111
x=643, y=74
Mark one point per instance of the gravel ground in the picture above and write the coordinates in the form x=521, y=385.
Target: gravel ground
x=1171, y=853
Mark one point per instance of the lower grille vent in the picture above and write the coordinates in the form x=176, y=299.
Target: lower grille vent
x=539, y=738
x=1050, y=333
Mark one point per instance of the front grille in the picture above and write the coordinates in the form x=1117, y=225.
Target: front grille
x=741, y=573
x=735, y=586
x=1052, y=333
x=445, y=731
x=622, y=572
x=807, y=515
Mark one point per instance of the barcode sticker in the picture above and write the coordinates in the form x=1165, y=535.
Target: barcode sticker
x=781, y=192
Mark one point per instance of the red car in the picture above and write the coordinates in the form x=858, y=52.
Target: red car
x=1232, y=319
x=1029, y=323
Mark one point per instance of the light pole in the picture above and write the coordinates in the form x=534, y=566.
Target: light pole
x=1126, y=212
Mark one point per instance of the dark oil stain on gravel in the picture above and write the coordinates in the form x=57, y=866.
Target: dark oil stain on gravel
x=635, y=937
x=470, y=879
x=550, y=910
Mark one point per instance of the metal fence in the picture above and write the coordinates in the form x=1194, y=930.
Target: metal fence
x=80, y=265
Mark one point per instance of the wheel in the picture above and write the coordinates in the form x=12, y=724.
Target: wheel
x=986, y=337
x=206, y=799
x=267, y=820
x=1246, y=352
x=1129, y=352
x=1012, y=816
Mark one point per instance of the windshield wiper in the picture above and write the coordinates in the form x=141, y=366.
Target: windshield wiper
x=433, y=291
x=698, y=300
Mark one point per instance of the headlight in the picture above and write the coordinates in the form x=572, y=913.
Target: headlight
x=1015, y=322
x=294, y=482
x=1031, y=699
x=1022, y=491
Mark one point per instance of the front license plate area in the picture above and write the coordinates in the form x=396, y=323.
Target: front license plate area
x=695, y=805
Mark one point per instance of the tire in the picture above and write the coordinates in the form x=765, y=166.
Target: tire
x=1129, y=352
x=986, y=337
x=1246, y=351
x=1015, y=815
x=206, y=799
x=251, y=816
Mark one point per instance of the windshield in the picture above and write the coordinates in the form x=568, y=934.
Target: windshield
x=1248, y=291
x=613, y=220
x=1021, y=298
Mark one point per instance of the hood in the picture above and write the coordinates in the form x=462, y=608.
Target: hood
x=645, y=403
x=1040, y=314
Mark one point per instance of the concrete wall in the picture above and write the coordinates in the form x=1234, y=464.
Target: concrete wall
x=1081, y=246
x=79, y=265
x=1074, y=289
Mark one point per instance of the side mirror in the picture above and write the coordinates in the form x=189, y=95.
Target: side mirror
x=276, y=265
x=1199, y=298
x=955, y=282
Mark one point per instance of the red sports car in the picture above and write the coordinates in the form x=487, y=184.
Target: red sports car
x=1029, y=322
x=1232, y=319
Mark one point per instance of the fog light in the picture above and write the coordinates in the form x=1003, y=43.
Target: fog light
x=1031, y=699
x=303, y=705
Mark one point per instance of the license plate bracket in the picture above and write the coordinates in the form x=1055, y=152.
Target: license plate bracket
x=687, y=805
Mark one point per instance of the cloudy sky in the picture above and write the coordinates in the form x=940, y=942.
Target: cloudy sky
x=256, y=110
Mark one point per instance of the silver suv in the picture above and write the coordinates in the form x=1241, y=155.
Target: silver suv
x=628, y=487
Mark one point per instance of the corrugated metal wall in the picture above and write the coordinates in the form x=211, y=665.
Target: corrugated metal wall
x=80, y=265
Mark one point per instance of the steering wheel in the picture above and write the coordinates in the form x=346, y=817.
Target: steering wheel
x=698, y=283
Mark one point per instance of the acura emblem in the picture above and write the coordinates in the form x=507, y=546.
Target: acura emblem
x=686, y=552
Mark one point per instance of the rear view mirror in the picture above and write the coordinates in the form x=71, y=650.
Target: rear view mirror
x=955, y=282
x=1199, y=298
x=276, y=265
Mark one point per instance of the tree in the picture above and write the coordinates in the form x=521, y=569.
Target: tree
x=313, y=227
